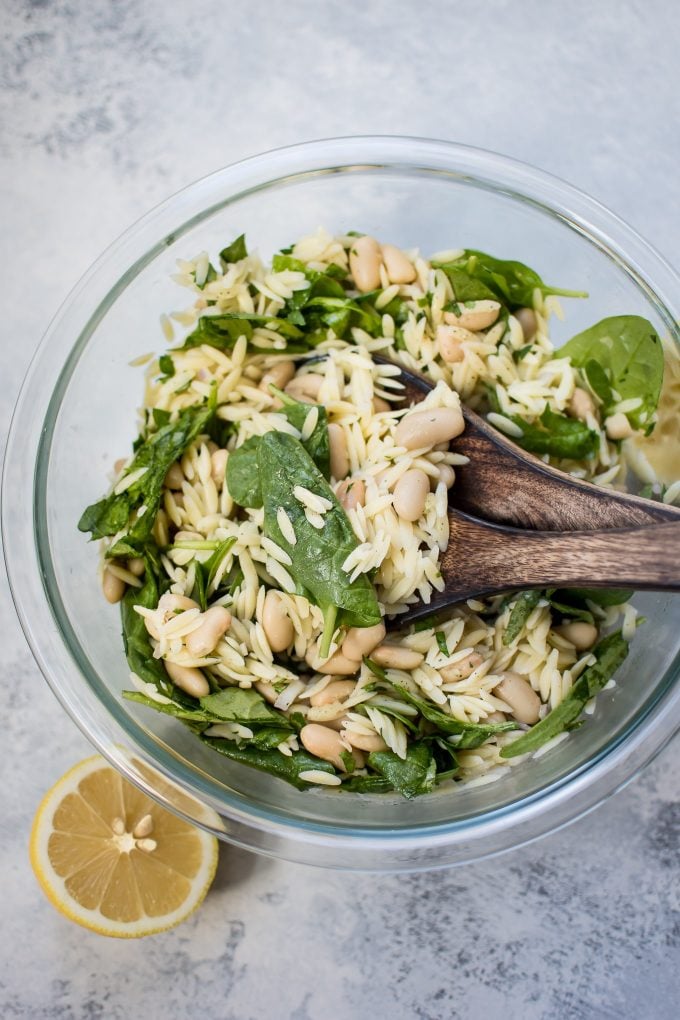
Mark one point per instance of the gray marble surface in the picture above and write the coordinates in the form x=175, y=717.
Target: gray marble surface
x=106, y=108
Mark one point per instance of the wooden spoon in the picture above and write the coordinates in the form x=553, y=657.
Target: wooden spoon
x=485, y=559
x=503, y=483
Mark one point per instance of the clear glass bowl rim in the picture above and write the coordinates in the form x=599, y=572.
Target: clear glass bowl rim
x=321, y=844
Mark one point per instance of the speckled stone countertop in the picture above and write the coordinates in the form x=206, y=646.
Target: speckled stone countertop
x=105, y=109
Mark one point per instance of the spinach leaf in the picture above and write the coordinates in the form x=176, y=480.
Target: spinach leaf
x=467, y=287
x=243, y=476
x=521, y=354
x=598, y=381
x=205, y=572
x=429, y=622
x=445, y=758
x=230, y=704
x=655, y=491
x=287, y=767
x=209, y=277
x=236, y=704
x=399, y=310
x=610, y=653
x=182, y=712
x=234, y=252
x=325, y=305
x=138, y=647
x=440, y=637
x=630, y=356
x=366, y=784
x=166, y=365
x=222, y=331
x=410, y=776
x=267, y=738
x=524, y=606
x=321, y=284
x=212, y=564
x=318, y=554
x=556, y=435
x=341, y=314
x=156, y=453
x=600, y=596
x=243, y=479
x=160, y=417
x=376, y=670
x=471, y=734
x=220, y=431
x=318, y=444
x=137, y=643
x=506, y=280
x=328, y=277
x=573, y=612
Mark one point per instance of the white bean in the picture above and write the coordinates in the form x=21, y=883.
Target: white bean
x=427, y=428
x=475, y=316
x=528, y=321
x=617, y=426
x=336, y=690
x=136, y=566
x=324, y=743
x=305, y=388
x=278, y=375
x=215, y=623
x=361, y=641
x=462, y=669
x=340, y=665
x=112, y=586
x=410, y=494
x=188, y=679
x=174, y=477
x=277, y=625
x=580, y=634
x=581, y=404
x=338, y=448
x=523, y=700
x=396, y=657
x=218, y=461
x=493, y=718
x=449, y=340
x=398, y=266
x=365, y=741
x=351, y=493
x=364, y=263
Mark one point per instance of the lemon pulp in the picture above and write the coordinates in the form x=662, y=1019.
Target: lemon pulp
x=112, y=859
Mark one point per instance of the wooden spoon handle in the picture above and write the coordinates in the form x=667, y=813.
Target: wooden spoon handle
x=486, y=558
x=503, y=483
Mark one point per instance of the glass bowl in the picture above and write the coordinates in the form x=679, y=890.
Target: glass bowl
x=76, y=415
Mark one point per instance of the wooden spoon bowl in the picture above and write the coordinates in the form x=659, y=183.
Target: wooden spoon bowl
x=504, y=483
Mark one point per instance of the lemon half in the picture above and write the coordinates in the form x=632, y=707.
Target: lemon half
x=114, y=861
